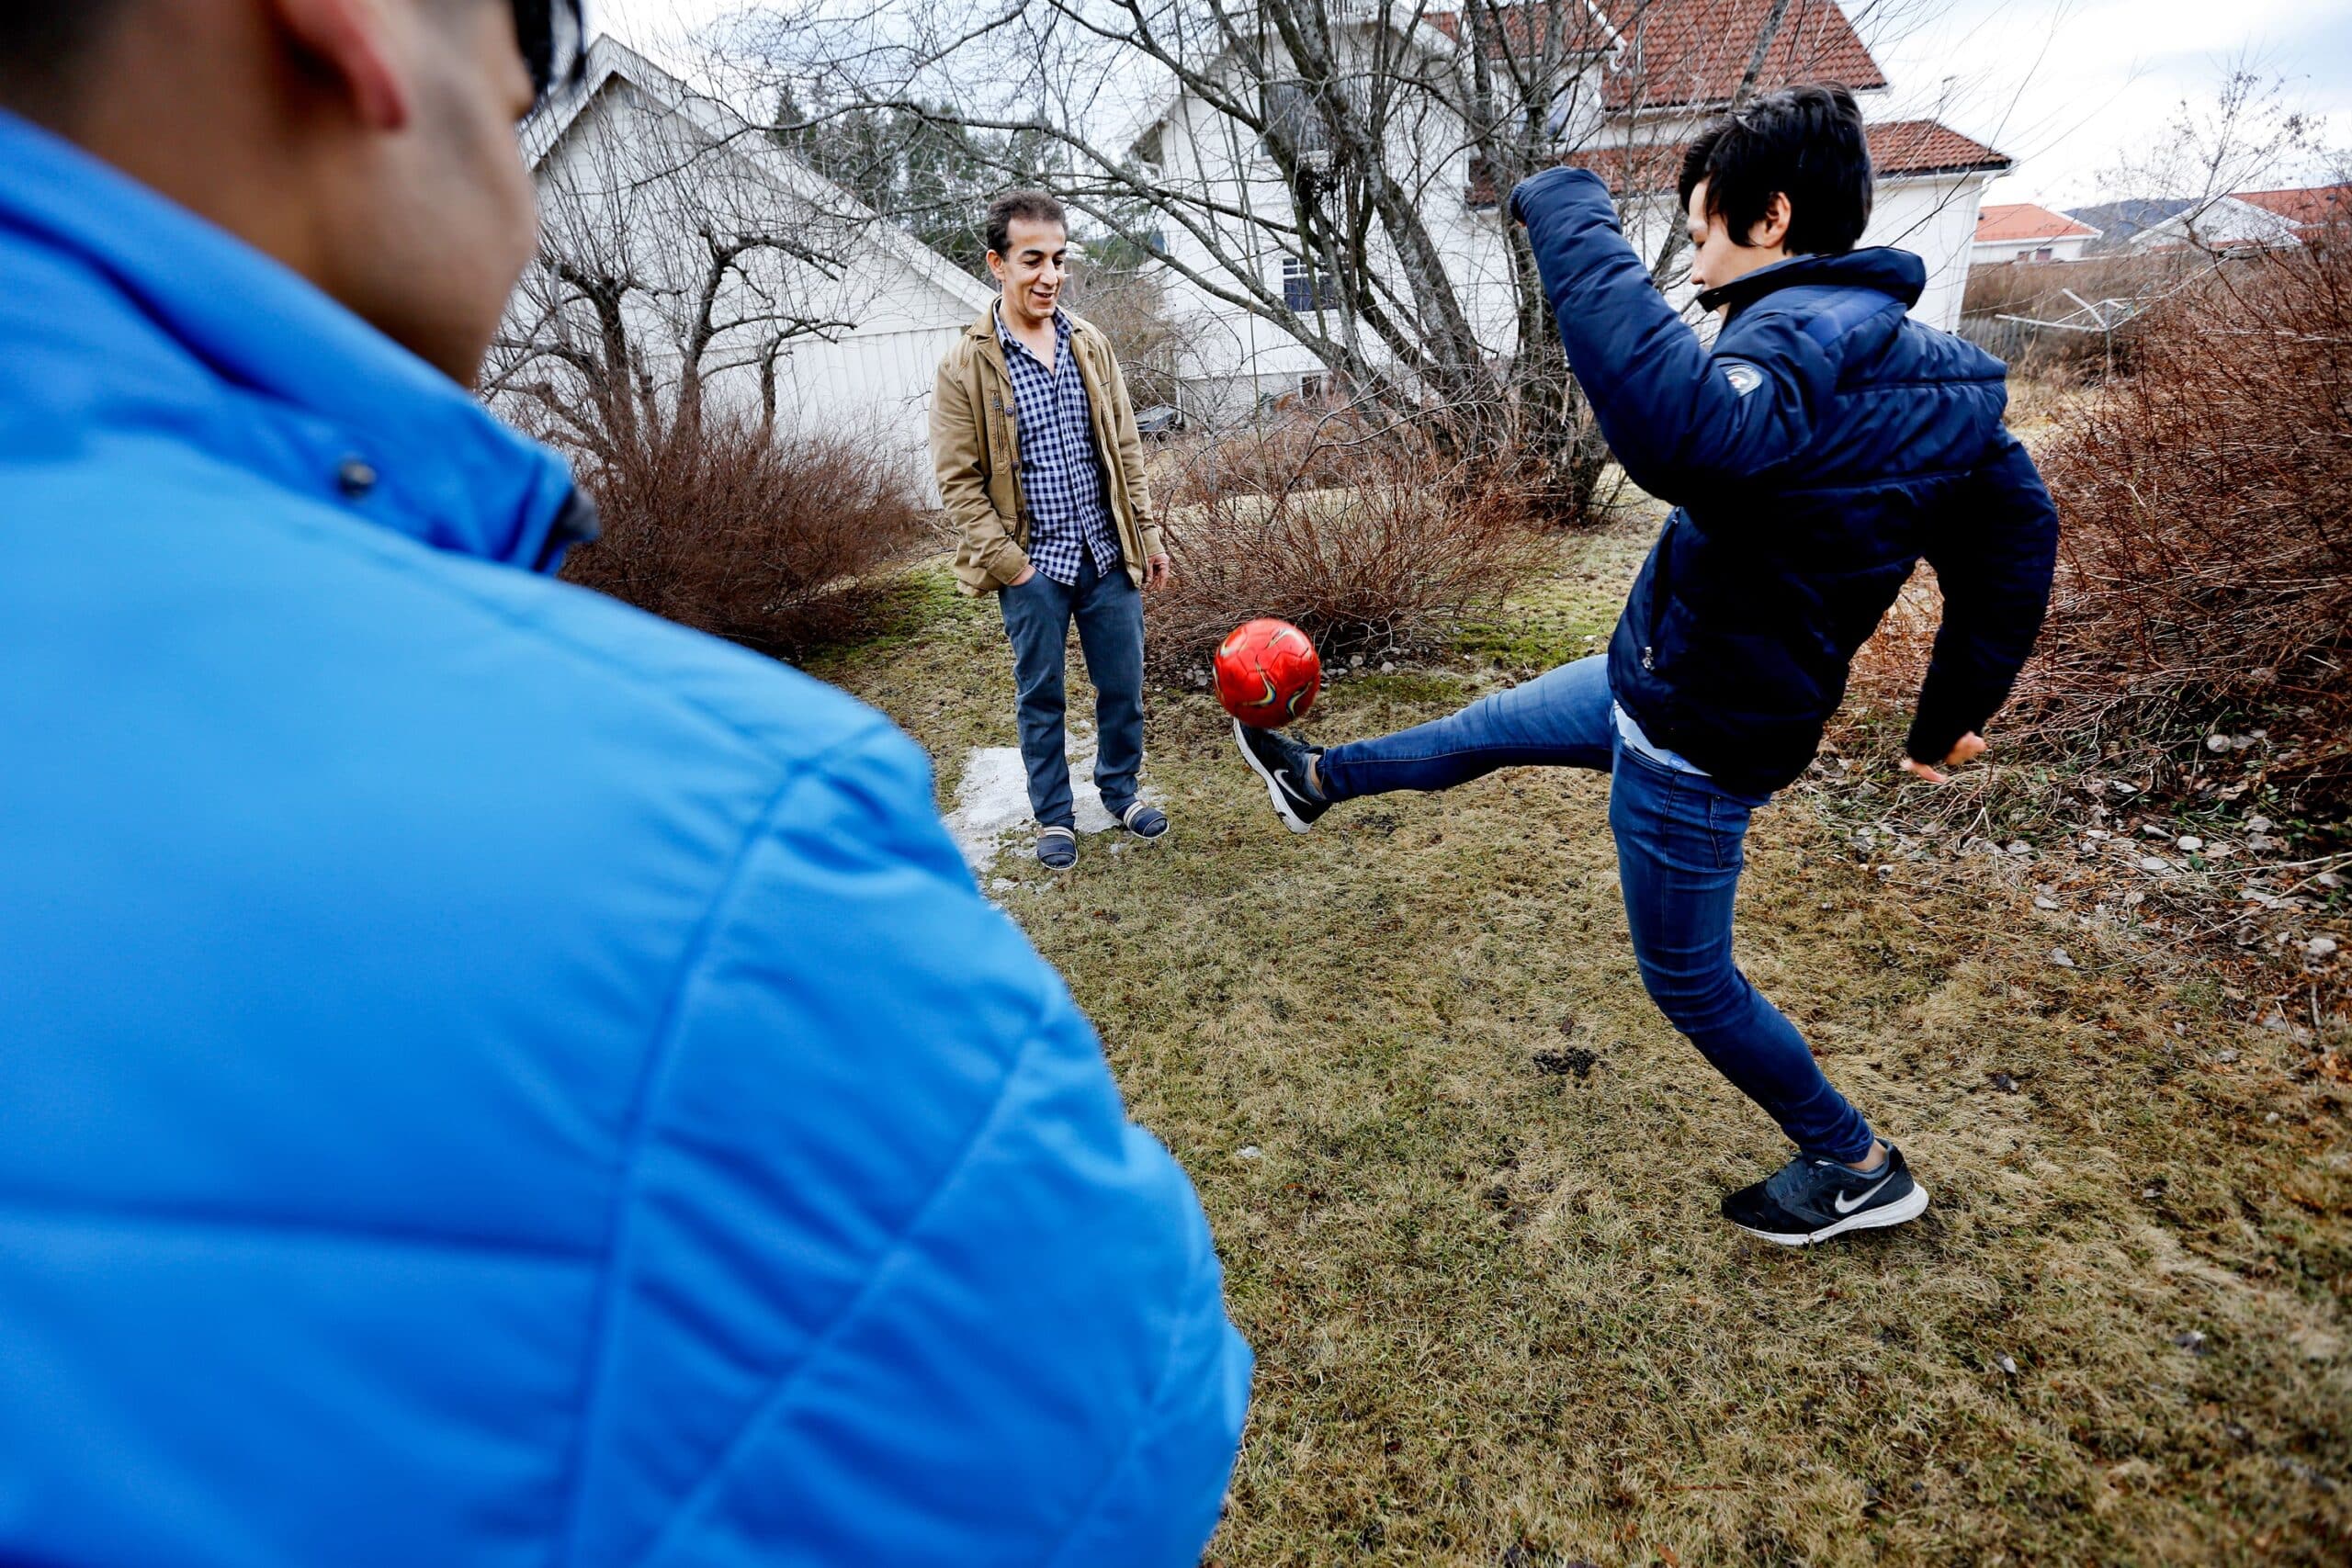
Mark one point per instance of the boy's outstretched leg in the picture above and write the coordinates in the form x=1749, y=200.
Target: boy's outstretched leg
x=1679, y=852
x=1559, y=720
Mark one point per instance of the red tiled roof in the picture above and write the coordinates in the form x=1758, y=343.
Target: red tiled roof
x=1899, y=148
x=1526, y=28
x=1690, y=53
x=2024, y=221
x=1929, y=147
x=2309, y=207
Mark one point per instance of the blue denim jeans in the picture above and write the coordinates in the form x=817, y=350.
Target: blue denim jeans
x=1109, y=612
x=1679, y=858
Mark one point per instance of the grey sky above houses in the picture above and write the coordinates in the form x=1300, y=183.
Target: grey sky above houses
x=2069, y=88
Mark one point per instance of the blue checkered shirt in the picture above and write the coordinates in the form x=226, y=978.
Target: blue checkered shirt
x=1061, y=480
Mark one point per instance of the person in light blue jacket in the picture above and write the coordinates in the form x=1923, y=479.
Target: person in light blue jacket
x=487, y=1076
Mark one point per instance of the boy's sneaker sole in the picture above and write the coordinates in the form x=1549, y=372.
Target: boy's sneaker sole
x=1274, y=790
x=1910, y=1206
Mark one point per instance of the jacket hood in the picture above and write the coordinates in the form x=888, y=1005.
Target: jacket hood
x=239, y=355
x=1881, y=267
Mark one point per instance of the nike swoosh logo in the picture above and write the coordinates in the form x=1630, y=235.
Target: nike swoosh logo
x=1282, y=777
x=1860, y=1198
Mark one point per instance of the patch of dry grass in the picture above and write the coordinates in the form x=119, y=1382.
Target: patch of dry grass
x=1464, y=1178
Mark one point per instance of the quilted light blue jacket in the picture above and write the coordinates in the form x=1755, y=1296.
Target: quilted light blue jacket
x=488, y=1076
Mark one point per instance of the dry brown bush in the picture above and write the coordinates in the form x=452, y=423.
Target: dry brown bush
x=2205, y=571
x=1360, y=533
x=766, y=539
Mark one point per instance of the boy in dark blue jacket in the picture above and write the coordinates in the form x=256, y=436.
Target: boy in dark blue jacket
x=1822, y=446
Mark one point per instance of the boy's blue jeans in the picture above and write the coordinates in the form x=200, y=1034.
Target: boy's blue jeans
x=1679, y=858
x=1109, y=612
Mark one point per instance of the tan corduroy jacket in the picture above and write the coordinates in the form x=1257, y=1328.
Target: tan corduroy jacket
x=977, y=452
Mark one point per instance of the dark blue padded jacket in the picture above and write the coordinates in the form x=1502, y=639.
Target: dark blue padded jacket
x=1815, y=453
x=489, y=1078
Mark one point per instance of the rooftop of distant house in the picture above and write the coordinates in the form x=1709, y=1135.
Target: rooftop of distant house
x=2308, y=206
x=2011, y=222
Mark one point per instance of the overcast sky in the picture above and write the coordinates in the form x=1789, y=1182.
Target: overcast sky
x=2066, y=87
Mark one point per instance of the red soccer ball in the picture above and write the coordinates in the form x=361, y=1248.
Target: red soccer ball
x=1267, y=673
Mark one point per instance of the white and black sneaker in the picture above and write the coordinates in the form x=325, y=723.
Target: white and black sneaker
x=1282, y=763
x=1811, y=1200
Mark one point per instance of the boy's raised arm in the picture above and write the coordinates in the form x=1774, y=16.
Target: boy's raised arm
x=1673, y=413
x=1993, y=547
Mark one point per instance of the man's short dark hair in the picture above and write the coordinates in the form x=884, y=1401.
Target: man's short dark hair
x=1805, y=143
x=553, y=37
x=1033, y=205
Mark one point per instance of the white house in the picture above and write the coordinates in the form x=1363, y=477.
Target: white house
x=2225, y=223
x=2021, y=231
x=732, y=261
x=1636, y=82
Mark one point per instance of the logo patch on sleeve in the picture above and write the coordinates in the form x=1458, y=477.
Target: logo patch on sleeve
x=1744, y=378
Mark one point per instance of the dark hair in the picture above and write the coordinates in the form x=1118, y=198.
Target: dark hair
x=554, y=41
x=1805, y=143
x=1012, y=204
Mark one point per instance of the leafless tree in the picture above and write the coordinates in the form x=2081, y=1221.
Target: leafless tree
x=1331, y=168
x=680, y=253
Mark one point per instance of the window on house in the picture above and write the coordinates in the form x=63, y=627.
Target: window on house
x=1304, y=292
x=2043, y=254
x=1291, y=116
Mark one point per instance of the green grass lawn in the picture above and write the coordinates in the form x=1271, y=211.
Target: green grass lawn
x=1464, y=1179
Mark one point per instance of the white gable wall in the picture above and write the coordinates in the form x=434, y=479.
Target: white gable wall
x=1935, y=218
x=632, y=171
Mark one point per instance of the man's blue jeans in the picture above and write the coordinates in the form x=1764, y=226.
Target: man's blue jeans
x=1109, y=612
x=1679, y=858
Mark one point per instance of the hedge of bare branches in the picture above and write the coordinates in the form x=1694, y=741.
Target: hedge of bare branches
x=766, y=539
x=2205, y=575
x=1362, y=533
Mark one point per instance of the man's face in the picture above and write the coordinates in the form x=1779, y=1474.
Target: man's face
x=1716, y=257
x=439, y=220
x=1032, y=268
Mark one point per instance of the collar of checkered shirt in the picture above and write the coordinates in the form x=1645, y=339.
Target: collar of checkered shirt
x=1004, y=333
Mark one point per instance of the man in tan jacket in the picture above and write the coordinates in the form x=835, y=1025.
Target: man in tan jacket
x=1034, y=443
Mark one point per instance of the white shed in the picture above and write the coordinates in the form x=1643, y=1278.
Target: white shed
x=782, y=288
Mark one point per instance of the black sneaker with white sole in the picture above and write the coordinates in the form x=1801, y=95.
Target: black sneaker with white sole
x=1282, y=763
x=1811, y=1200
